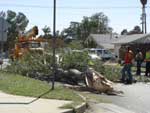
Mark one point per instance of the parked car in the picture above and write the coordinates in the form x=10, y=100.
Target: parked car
x=102, y=53
x=94, y=56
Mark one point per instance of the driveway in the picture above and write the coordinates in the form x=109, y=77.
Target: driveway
x=136, y=98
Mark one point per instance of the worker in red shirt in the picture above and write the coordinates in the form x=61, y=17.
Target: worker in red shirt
x=126, y=70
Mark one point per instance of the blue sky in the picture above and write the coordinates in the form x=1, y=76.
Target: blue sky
x=121, y=13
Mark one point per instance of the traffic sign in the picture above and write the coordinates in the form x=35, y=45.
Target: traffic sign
x=3, y=29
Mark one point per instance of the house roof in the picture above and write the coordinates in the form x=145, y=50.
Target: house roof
x=107, y=45
x=104, y=40
x=138, y=38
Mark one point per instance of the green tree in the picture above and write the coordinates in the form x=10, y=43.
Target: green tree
x=71, y=31
x=18, y=23
x=135, y=30
x=99, y=23
x=85, y=28
x=73, y=44
x=90, y=43
x=124, y=32
x=96, y=24
x=47, y=32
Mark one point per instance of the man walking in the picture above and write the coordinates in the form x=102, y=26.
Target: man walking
x=139, y=59
x=147, y=60
x=127, y=67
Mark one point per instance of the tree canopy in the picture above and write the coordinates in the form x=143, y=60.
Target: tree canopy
x=96, y=24
x=135, y=30
x=18, y=22
x=47, y=32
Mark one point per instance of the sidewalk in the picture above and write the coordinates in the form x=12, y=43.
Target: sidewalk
x=21, y=104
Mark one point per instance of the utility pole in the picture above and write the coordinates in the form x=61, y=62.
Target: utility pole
x=2, y=41
x=54, y=45
x=2, y=44
x=143, y=18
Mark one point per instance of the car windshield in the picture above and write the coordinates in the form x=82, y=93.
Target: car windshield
x=99, y=52
x=106, y=52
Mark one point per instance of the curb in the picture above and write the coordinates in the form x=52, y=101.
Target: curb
x=80, y=108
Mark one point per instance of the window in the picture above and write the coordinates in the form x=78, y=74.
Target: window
x=99, y=52
x=106, y=52
x=34, y=45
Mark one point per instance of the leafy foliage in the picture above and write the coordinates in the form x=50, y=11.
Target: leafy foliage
x=124, y=32
x=135, y=30
x=75, y=60
x=47, y=32
x=112, y=73
x=18, y=23
x=75, y=44
x=97, y=24
x=33, y=64
x=38, y=65
x=98, y=66
x=90, y=43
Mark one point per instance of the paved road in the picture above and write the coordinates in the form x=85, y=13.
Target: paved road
x=136, y=98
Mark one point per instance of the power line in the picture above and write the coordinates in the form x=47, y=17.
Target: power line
x=71, y=7
x=25, y=6
x=102, y=7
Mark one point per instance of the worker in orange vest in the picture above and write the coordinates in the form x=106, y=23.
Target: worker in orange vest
x=147, y=60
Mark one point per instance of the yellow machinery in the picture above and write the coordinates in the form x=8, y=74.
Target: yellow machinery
x=27, y=42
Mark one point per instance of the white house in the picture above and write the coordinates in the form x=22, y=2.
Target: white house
x=134, y=39
x=104, y=40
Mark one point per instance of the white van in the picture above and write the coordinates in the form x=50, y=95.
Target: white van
x=103, y=53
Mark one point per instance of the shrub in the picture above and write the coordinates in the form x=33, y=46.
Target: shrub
x=75, y=60
x=38, y=65
x=98, y=66
x=112, y=73
x=32, y=64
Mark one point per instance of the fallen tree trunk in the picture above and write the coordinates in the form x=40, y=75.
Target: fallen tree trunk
x=96, y=83
x=71, y=76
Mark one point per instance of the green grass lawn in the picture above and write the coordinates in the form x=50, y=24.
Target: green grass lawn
x=20, y=85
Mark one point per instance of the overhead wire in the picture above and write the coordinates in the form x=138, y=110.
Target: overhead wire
x=70, y=7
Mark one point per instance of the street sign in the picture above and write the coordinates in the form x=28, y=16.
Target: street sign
x=3, y=29
x=144, y=2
